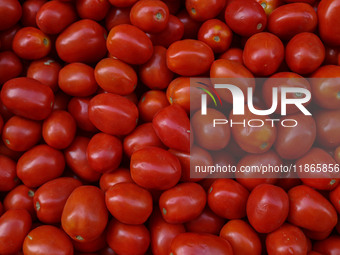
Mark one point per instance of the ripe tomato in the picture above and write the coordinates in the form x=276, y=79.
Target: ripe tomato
x=245, y=17
x=20, y=197
x=10, y=66
x=327, y=126
x=287, y=239
x=91, y=246
x=112, y=178
x=241, y=236
x=82, y=41
x=8, y=176
x=310, y=210
x=14, y=226
x=10, y=13
x=117, y=16
x=329, y=246
x=129, y=203
x=189, y=57
x=202, y=10
x=270, y=5
x=329, y=21
x=92, y=9
x=127, y=239
x=122, y=3
x=50, y=198
x=234, y=54
x=39, y=241
x=129, y=44
x=85, y=215
x=6, y=37
x=155, y=168
x=30, y=9
x=114, y=76
x=150, y=103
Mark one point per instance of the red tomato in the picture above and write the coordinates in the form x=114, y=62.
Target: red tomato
x=82, y=41
x=155, y=168
x=172, y=126
x=10, y=66
x=107, y=108
x=30, y=9
x=129, y=44
x=6, y=37
x=178, y=92
x=110, y=179
x=193, y=243
x=39, y=241
x=104, y=152
x=204, y=9
x=92, y=9
x=234, y=54
x=50, y=198
x=114, y=76
x=21, y=197
x=129, y=203
x=270, y=5
x=191, y=26
x=329, y=246
x=117, y=16
x=150, y=103
x=85, y=216
x=14, y=226
x=27, y=98
x=54, y=16
x=127, y=239
x=122, y=3
x=291, y=19
x=10, y=13
x=32, y=165
x=91, y=246
x=305, y=53
x=241, y=236
x=245, y=17
x=189, y=57
x=310, y=210
x=287, y=239
x=8, y=175
x=329, y=21
x=327, y=127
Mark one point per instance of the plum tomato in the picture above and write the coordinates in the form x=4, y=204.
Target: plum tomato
x=10, y=13
x=20, y=197
x=327, y=128
x=8, y=175
x=92, y=9
x=202, y=10
x=10, y=66
x=30, y=9
x=150, y=103
x=329, y=21
x=117, y=16
x=110, y=179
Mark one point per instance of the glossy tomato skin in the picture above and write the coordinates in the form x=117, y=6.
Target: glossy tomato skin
x=6, y=37
x=192, y=243
x=189, y=57
x=178, y=92
x=310, y=210
x=108, y=108
x=10, y=66
x=328, y=246
x=21, y=197
x=92, y=9
x=27, y=98
x=172, y=126
x=117, y=16
x=82, y=41
x=85, y=215
x=221, y=199
x=127, y=239
x=91, y=246
x=129, y=44
x=29, y=12
x=122, y=3
x=78, y=107
x=242, y=237
x=155, y=168
x=110, y=179
x=327, y=124
x=234, y=54
x=150, y=103
x=39, y=241
x=14, y=226
x=182, y=203
x=104, y=152
x=287, y=239
x=291, y=19
x=203, y=10
x=50, y=198
x=329, y=22
x=10, y=13
x=129, y=203
x=8, y=176
x=54, y=17
x=245, y=17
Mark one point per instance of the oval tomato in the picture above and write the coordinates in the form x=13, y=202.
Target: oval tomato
x=201, y=10
x=29, y=12
x=10, y=13
x=329, y=21
x=327, y=126
x=10, y=66
x=329, y=246
x=21, y=197
x=8, y=175
x=92, y=9
x=150, y=103
x=110, y=179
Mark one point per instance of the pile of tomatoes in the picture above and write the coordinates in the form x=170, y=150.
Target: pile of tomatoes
x=99, y=136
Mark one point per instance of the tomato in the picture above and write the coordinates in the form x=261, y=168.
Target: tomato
x=40, y=241
x=245, y=17
x=30, y=9
x=325, y=88
x=337, y=154
x=127, y=239
x=189, y=57
x=76, y=159
x=331, y=55
x=329, y=21
x=50, y=198
x=234, y=54
x=14, y=226
x=190, y=25
x=112, y=178
x=150, y=103
x=216, y=34
x=305, y=53
x=8, y=176
x=155, y=168
x=54, y=16
x=129, y=203
x=91, y=246
x=6, y=37
x=78, y=108
x=32, y=165
x=310, y=210
x=241, y=236
x=193, y=243
x=105, y=109
x=10, y=66
x=291, y=19
x=327, y=125
x=122, y=3
x=329, y=246
x=202, y=10
x=117, y=16
x=10, y=13
x=20, y=197
x=129, y=44
x=172, y=126
x=270, y=5
x=82, y=41
x=287, y=239
x=92, y=9
x=85, y=216
x=294, y=142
